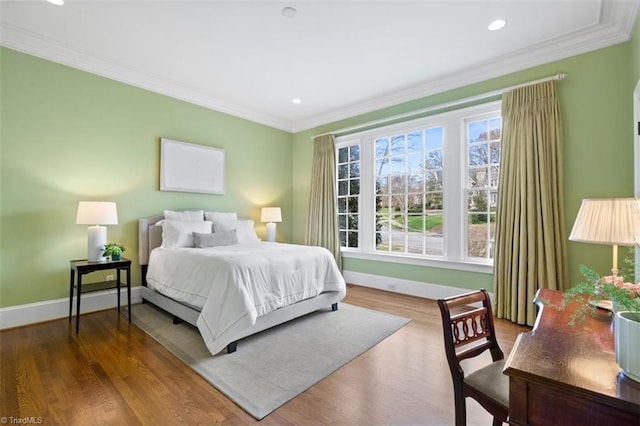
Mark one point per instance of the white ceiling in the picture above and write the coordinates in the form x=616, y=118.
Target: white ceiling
x=342, y=58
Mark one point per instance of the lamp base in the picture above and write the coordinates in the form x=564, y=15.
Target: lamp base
x=96, y=240
x=271, y=232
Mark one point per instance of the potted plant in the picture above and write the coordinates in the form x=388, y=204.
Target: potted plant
x=620, y=296
x=114, y=250
x=618, y=293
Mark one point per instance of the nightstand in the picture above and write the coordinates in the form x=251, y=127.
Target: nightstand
x=83, y=267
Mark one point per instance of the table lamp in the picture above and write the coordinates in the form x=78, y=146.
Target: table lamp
x=271, y=215
x=610, y=221
x=96, y=213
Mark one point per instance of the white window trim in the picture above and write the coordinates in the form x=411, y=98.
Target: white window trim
x=406, y=259
x=454, y=172
x=348, y=141
x=463, y=168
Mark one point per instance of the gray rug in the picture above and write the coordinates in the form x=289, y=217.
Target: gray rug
x=274, y=366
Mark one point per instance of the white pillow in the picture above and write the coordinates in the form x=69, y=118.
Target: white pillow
x=244, y=229
x=216, y=239
x=185, y=216
x=220, y=216
x=177, y=233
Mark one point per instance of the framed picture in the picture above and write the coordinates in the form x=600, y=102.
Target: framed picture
x=187, y=167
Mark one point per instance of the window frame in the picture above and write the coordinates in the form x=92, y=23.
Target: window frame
x=478, y=117
x=455, y=163
x=349, y=194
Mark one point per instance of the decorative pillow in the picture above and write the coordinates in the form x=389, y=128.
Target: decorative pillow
x=244, y=229
x=217, y=239
x=220, y=216
x=177, y=233
x=185, y=216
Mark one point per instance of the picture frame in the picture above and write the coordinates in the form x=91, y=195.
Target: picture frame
x=188, y=167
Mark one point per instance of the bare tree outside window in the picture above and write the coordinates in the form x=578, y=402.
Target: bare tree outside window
x=409, y=187
x=483, y=166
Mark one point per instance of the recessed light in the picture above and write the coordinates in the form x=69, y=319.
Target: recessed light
x=297, y=101
x=497, y=24
x=289, y=12
x=56, y=2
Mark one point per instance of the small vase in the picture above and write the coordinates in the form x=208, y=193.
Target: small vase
x=627, y=336
x=115, y=257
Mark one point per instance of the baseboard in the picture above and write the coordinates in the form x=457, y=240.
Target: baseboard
x=397, y=285
x=32, y=313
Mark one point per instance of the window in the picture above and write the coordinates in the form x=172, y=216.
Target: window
x=348, y=194
x=409, y=188
x=422, y=189
x=483, y=165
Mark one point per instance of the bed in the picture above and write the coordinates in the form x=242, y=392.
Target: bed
x=220, y=288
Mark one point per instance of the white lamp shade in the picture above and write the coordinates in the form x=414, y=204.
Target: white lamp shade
x=610, y=221
x=271, y=214
x=97, y=213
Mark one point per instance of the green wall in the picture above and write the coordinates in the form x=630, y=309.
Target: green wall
x=67, y=135
x=598, y=153
x=635, y=54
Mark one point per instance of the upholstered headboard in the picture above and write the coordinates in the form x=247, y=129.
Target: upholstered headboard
x=149, y=237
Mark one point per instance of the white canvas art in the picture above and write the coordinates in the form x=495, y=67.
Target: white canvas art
x=187, y=167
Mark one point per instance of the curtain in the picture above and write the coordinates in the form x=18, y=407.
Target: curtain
x=322, y=226
x=530, y=251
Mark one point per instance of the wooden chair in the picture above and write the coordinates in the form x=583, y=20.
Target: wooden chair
x=468, y=332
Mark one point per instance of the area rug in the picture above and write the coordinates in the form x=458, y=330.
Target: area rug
x=274, y=366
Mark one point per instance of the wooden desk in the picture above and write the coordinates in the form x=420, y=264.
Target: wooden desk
x=567, y=375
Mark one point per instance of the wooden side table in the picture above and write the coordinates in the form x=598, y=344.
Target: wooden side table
x=82, y=267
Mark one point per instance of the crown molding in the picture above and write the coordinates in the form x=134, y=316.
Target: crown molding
x=17, y=38
x=615, y=24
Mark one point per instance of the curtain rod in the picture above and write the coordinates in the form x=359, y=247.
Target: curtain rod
x=486, y=95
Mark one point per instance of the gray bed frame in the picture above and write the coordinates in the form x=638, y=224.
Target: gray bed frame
x=150, y=237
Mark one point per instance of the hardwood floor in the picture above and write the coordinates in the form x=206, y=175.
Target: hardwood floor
x=114, y=373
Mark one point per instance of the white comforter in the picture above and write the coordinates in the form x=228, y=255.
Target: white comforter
x=233, y=285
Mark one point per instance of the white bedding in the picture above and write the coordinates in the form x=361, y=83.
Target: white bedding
x=233, y=285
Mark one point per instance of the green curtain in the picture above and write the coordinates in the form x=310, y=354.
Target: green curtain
x=530, y=250
x=322, y=226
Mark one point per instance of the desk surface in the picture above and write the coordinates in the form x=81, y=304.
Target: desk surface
x=578, y=359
